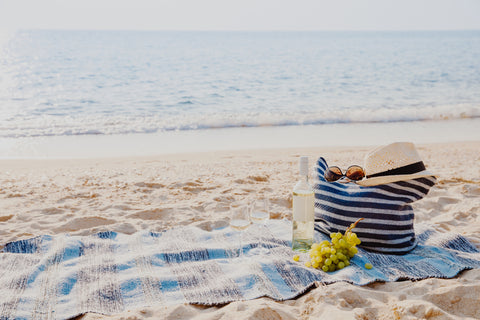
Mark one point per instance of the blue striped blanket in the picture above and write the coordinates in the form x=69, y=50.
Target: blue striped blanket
x=64, y=276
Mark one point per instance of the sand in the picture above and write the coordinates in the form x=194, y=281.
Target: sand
x=85, y=196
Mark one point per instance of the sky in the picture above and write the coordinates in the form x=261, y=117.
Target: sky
x=241, y=14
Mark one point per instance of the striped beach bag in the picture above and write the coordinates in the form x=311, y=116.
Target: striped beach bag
x=388, y=224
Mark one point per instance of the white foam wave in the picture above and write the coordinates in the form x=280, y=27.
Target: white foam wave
x=49, y=125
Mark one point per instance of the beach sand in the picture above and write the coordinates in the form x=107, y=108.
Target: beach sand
x=85, y=196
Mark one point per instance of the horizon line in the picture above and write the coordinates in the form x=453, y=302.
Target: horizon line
x=236, y=30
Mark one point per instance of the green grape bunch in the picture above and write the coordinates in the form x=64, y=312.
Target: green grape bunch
x=335, y=254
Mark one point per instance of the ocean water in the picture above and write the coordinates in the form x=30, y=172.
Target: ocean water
x=76, y=83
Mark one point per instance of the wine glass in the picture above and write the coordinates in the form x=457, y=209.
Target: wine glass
x=239, y=221
x=259, y=214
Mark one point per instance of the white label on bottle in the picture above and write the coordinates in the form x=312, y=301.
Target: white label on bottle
x=303, y=207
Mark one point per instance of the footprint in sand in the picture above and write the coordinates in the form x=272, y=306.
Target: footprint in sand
x=259, y=178
x=471, y=190
x=14, y=195
x=445, y=201
x=195, y=187
x=154, y=214
x=83, y=223
x=52, y=210
x=252, y=179
x=120, y=207
x=126, y=228
x=151, y=185
x=457, y=299
x=6, y=218
x=265, y=312
x=148, y=187
x=81, y=195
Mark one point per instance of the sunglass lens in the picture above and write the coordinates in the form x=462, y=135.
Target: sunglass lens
x=333, y=174
x=355, y=173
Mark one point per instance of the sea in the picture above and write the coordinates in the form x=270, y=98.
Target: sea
x=199, y=89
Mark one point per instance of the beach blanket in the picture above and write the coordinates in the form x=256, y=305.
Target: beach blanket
x=63, y=276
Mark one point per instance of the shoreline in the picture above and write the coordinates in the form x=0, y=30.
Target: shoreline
x=229, y=139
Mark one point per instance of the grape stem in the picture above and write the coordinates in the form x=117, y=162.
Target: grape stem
x=353, y=225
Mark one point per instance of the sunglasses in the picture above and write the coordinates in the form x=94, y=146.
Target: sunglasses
x=354, y=173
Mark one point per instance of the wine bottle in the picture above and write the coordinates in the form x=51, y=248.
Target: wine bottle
x=303, y=216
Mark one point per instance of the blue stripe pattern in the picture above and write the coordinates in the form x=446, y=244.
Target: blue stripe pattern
x=388, y=216
x=118, y=272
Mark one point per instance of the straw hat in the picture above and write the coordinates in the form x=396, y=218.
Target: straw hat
x=398, y=161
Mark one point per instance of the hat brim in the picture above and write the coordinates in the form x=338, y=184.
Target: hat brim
x=375, y=181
